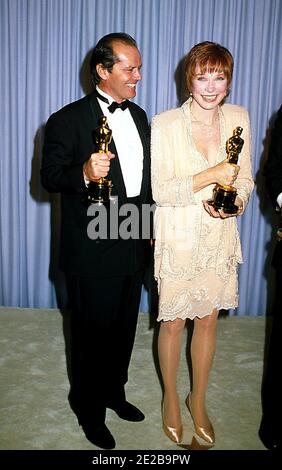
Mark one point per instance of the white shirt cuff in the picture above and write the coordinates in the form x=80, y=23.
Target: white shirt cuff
x=279, y=200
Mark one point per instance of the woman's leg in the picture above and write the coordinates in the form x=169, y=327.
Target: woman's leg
x=169, y=350
x=202, y=353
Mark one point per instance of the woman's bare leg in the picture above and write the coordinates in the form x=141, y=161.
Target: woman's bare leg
x=202, y=353
x=169, y=350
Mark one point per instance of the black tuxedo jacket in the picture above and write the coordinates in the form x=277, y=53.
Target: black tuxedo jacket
x=273, y=175
x=68, y=144
x=273, y=167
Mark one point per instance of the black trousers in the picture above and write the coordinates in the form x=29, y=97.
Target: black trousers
x=270, y=428
x=104, y=314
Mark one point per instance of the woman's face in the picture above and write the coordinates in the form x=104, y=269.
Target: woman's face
x=209, y=89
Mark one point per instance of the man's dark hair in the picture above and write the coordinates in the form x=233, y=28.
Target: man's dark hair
x=103, y=52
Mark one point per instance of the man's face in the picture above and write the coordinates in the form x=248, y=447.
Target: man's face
x=121, y=82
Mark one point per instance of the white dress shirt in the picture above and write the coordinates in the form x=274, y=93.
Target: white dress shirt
x=128, y=145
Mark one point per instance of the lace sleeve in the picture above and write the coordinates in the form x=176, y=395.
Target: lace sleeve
x=244, y=183
x=168, y=189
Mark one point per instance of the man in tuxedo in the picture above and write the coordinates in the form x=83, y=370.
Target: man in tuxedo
x=270, y=430
x=104, y=275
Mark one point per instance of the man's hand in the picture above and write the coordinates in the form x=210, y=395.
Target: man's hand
x=97, y=166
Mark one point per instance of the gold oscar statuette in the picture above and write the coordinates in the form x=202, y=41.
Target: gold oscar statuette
x=224, y=196
x=100, y=190
x=279, y=234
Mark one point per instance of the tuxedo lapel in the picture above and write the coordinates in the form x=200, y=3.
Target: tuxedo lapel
x=143, y=133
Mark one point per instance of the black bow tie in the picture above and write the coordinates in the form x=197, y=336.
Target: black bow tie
x=123, y=105
x=114, y=105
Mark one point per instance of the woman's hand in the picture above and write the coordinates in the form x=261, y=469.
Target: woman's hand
x=219, y=213
x=225, y=173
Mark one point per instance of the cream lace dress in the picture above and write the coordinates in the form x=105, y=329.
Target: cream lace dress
x=196, y=256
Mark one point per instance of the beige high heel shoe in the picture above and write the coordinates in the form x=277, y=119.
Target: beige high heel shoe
x=205, y=432
x=174, y=434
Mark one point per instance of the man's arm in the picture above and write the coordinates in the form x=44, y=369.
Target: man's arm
x=60, y=172
x=273, y=167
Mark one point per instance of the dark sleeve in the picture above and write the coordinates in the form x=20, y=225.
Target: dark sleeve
x=273, y=166
x=61, y=170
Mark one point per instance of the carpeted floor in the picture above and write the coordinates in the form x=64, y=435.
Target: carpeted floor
x=34, y=411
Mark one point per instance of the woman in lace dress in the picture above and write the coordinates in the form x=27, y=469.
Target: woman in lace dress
x=197, y=248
